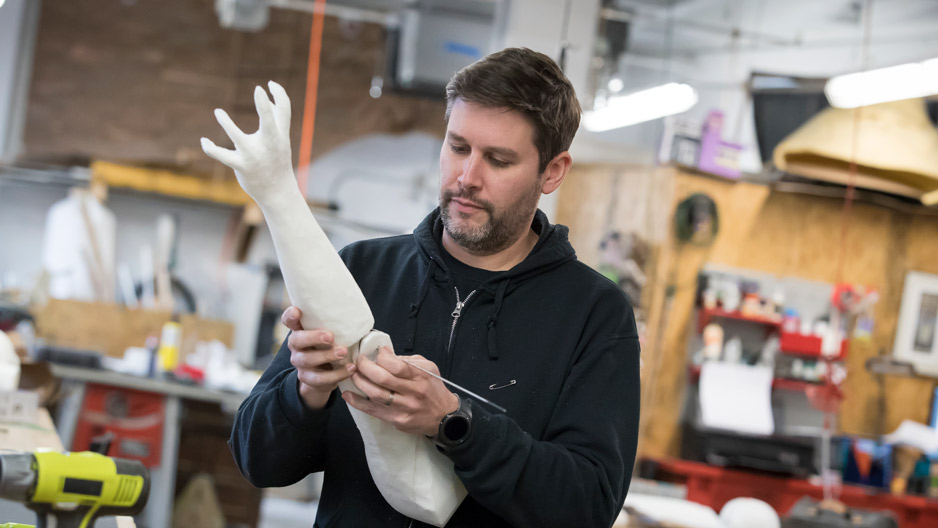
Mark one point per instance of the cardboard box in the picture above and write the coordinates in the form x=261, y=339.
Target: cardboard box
x=111, y=328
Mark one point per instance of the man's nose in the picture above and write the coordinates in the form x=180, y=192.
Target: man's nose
x=471, y=175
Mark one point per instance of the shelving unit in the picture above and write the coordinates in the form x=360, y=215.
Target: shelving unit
x=167, y=183
x=789, y=342
x=706, y=315
x=793, y=344
x=777, y=383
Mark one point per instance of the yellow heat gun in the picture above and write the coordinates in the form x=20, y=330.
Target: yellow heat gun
x=71, y=490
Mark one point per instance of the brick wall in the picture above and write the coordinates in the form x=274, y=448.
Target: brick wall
x=136, y=81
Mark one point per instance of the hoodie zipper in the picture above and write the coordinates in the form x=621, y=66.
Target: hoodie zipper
x=457, y=311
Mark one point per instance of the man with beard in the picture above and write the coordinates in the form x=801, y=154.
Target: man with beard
x=488, y=294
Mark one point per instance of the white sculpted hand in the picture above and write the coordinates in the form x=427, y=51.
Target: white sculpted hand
x=262, y=161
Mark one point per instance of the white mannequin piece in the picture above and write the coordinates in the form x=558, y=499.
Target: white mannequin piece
x=411, y=474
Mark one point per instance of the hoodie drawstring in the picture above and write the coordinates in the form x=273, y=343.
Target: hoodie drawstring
x=415, y=307
x=493, y=319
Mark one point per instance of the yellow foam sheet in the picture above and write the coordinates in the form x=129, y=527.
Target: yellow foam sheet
x=894, y=146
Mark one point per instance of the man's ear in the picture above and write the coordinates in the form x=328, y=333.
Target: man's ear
x=555, y=172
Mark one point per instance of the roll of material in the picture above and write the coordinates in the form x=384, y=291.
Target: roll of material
x=411, y=474
x=9, y=364
x=78, y=248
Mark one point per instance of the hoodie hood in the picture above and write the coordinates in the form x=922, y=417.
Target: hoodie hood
x=551, y=250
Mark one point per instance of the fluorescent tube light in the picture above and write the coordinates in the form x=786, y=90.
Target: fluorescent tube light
x=638, y=107
x=919, y=79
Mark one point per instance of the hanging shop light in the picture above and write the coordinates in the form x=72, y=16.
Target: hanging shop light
x=638, y=107
x=906, y=81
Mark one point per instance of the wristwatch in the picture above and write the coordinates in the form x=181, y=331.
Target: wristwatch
x=455, y=427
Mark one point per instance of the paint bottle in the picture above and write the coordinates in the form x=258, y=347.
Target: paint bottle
x=713, y=342
x=170, y=340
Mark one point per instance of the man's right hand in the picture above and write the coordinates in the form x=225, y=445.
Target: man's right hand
x=320, y=365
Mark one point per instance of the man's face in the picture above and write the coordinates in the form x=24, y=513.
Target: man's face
x=489, y=179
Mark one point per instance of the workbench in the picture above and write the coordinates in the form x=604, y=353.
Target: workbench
x=40, y=434
x=159, y=509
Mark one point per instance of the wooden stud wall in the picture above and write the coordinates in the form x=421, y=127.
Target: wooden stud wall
x=779, y=233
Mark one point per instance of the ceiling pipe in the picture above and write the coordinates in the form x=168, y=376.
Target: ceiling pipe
x=374, y=16
x=730, y=31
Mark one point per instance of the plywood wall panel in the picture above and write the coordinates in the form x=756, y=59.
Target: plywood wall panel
x=595, y=199
x=907, y=398
x=787, y=235
x=583, y=205
x=738, y=204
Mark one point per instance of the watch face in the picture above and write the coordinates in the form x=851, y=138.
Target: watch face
x=456, y=428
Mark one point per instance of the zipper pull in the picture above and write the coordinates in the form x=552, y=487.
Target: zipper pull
x=458, y=309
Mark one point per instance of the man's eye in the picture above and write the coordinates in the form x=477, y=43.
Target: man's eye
x=498, y=163
x=458, y=148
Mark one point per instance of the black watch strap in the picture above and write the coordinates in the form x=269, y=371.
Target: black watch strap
x=455, y=427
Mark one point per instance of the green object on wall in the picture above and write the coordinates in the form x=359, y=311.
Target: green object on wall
x=696, y=220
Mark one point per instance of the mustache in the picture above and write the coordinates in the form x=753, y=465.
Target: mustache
x=468, y=196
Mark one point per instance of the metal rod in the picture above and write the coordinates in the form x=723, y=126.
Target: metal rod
x=455, y=386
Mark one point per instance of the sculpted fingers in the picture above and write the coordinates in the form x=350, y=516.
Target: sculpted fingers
x=235, y=133
x=281, y=106
x=264, y=108
x=226, y=156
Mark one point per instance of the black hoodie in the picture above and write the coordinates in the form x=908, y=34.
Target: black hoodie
x=551, y=340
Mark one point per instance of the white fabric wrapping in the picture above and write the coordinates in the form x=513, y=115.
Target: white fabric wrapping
x=418, y=480
x=411, y=474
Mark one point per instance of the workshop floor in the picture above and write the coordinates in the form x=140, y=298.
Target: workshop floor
x=278, y=512
x=292, y=506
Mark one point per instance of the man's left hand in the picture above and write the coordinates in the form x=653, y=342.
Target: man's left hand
x=410, y=400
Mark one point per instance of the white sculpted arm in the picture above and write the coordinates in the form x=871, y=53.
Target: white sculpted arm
x=415, y=478
x=317, y=280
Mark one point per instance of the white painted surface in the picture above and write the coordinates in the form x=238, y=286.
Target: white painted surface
x=18, y=22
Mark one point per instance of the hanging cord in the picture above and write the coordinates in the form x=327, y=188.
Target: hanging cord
x=312, y=89
x=855, y=144
x=842, y=251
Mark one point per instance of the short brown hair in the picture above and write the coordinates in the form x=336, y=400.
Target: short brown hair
x=528, y=82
